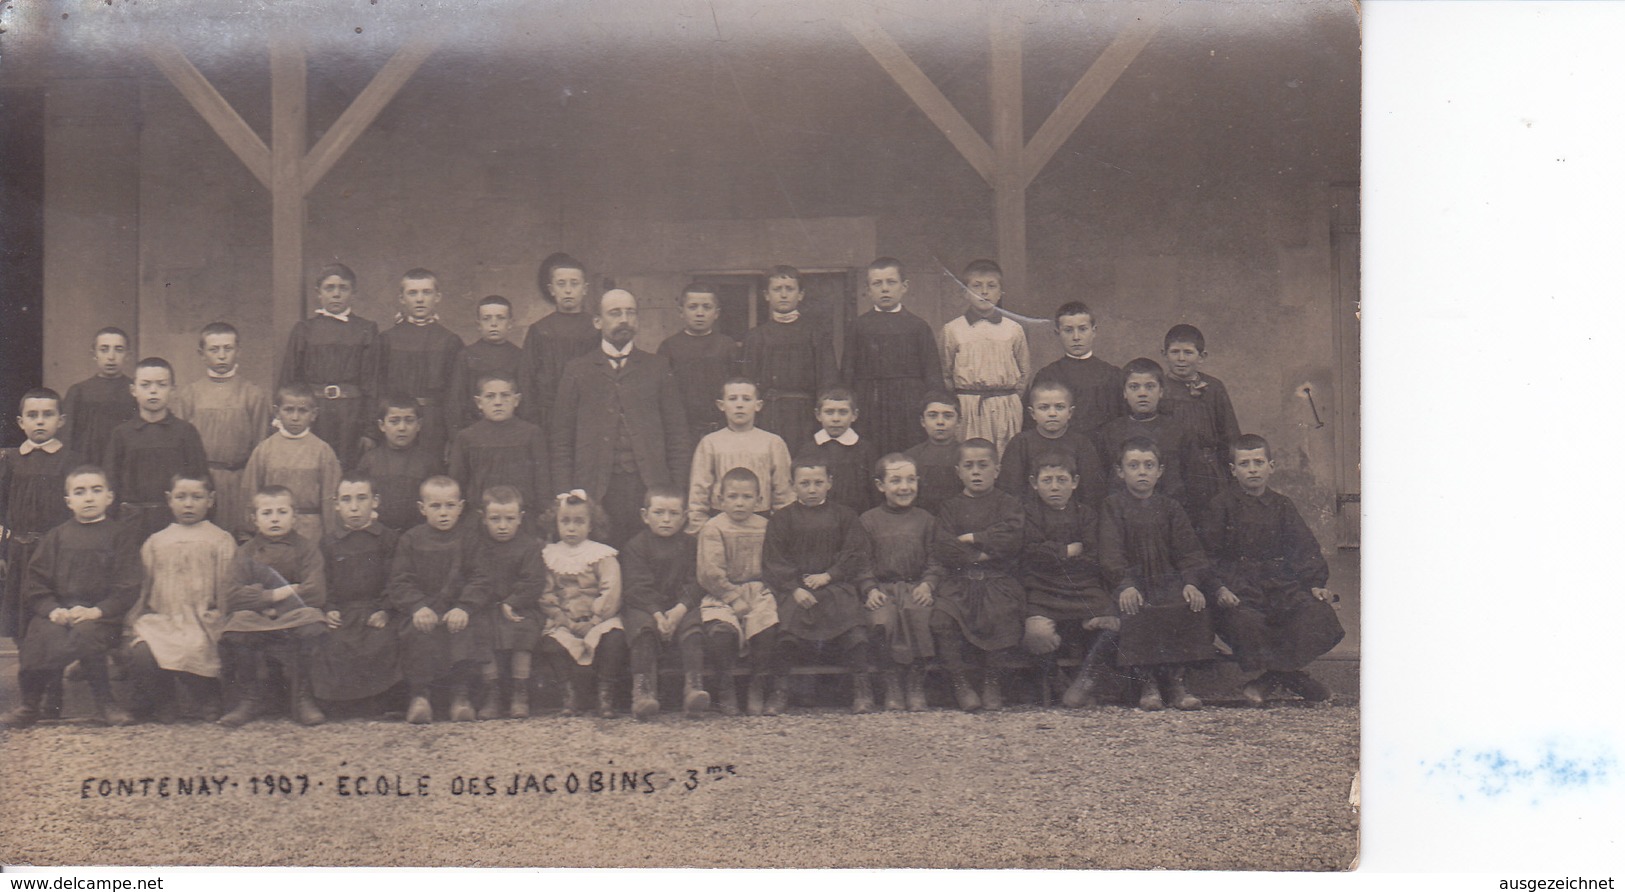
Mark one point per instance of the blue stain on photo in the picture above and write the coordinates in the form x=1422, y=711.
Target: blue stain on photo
x=1551, y=768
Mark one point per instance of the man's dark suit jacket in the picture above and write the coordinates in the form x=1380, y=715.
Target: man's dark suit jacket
x=586, y=414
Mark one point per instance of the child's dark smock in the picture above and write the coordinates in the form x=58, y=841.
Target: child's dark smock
x=356, y=660
x=802, y=541
x=982, y=596
x=1148, y=544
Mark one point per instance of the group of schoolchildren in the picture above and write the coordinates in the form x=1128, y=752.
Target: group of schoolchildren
x=259, y=548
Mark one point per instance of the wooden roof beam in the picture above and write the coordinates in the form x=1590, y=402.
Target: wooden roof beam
x=364, y=110
x=216, y=111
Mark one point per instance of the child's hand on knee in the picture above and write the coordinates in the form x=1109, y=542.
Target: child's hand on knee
x=424, y=620
x=61, y=617
x=922, y=595
x=1103, y=624
x=1039, y=636
x=457, y=618
x=1074, y=549
x=507, y=614
x=804, y=598
x=82, y=614
x=1323, y=594
x=378, y=620
x=877, y=599
x=1130, y=601
x=1227, y=598
x=1194, y=597
x=816, y=581
x=334, y=619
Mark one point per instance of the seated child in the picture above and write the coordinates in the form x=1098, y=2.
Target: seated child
x=1051, y=410
x=1199, y=402
x=581, y=605
x=812, y=560
x=1274, y=609
x=83, y=578
x=1142, y=391
x=401, y=464
x=175, y=624
x=1067, y=605
x=359, y=657
x=937, y=457
x=448, y=634
x=274, y=612
x=499, y=449
x=985, y=359
x=789, y=358
x=701, y=357
x=146, y=451
x=849, y=457
x=31, y=478
x=739, y=445
x=490, y=354
x=660, y=604
x=232, y=415
x=103, y=401
x=1095, y=384
x=506, y=566
x=898, y=589
x=739, y=612
x=296, y=459
x=980, y=601
x=1156, y=568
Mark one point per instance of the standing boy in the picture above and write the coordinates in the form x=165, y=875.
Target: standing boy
x=985, y=359
x=295, y=458
x=101, y=402
x=500, y=449
x=558, y=337
x=1200, y=402
x=937, y=458
x=1142, y=393
x=144, y=452
x=491, y=353
x=849, y=456
x=790, y=360
x=83, y=578
x=740, y=445
x=231, y=414
x=701, y=357
x=891, y=360
x=334, y=353
x=660, y=605
x=31, y=480
x=401, y=464
x=359, y=656
x=1096, y=385
x=417, y=355
x=1052, y=411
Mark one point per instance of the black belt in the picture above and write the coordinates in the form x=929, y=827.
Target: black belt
x=339, y=392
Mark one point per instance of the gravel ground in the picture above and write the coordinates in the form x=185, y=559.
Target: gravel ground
x=1225, y=788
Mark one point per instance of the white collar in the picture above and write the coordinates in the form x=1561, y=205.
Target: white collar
x=89, y=522
x=786, y=318
x=1089, y=355
x=896, y=309
x=693, y=335
x=402, y=317
x=49, y=447
x=610, y=350
x=226, y=377
x=850, y=438
x=341, y=317
x=284, y=432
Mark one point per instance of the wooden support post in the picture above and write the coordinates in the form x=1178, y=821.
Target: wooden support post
x=287, y=183
x=1009, y=179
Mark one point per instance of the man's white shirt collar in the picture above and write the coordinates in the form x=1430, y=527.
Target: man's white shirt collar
x=613, y=353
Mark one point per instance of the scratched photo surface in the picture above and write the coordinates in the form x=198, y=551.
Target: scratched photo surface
x=174, y=165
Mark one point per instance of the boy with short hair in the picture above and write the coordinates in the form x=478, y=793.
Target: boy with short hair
x=31, y=479
x=1200, y=402
x=146, y=451
x=1156, y=568
x=1067, y=604
x=740, y=616
x=294, y=457
x=274, y=613
x=490, y=353
x=416, y=356
x=359, y=656
x=812, y=559
x=399, y=465
x=701, y=357
x=980, y=602
x=1052, y=412
x=1274, y=610
x=558, y=337
x=848, y=455
x=334, y=353
x=891, y=360
x=937, y=457
x=231, y=414
x=739, y=445
x=101, y=402
x=501, y=449
x=901, y=581
x=176, y=621
x=789, y=360
x=505, y=563
x=1095, y=384
x=660, y=604
x=1142, y=393
x=82, y=579
x=985, y=359
x=448, y=631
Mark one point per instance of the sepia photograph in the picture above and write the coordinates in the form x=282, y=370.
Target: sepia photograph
x=681, y=434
